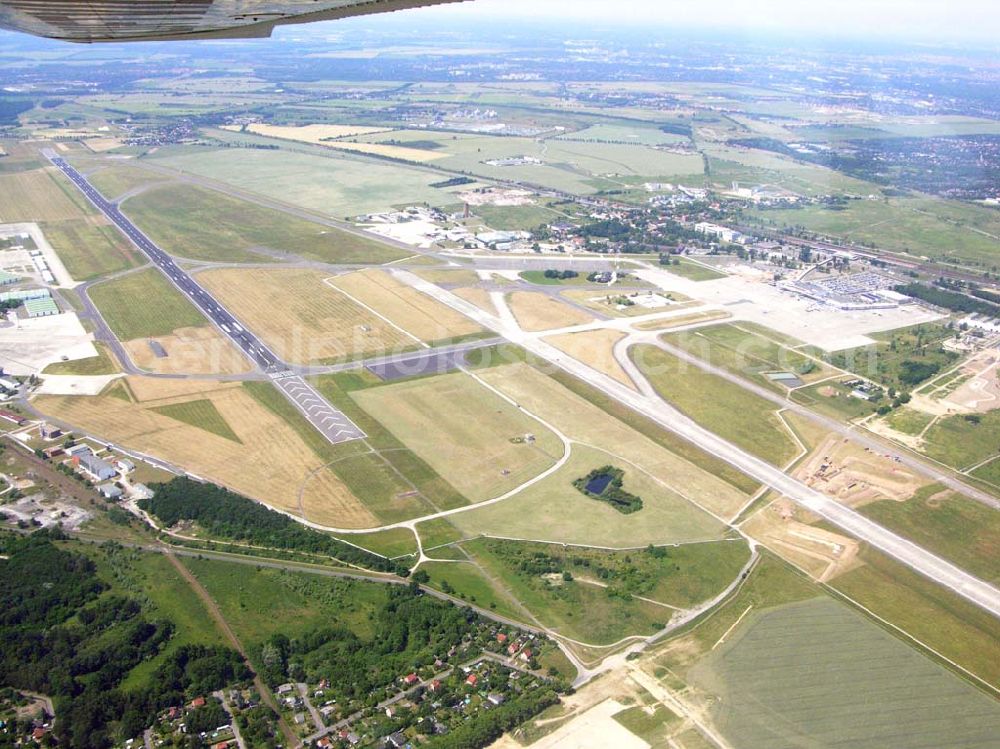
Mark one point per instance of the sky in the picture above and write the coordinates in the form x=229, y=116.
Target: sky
x=945, y=20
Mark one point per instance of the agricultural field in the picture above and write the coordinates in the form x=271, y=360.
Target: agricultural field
x=201, y=224
x=330, y=185
x=684, y=473
x=769, y=690
x=537, y=312
x=266, y=461
x=420, y=316
x=143, y=305
x=301, y=318
x=748, y=352
x=745, y=419
x=471, y=437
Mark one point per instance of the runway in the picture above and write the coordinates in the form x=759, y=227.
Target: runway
x=331, y=423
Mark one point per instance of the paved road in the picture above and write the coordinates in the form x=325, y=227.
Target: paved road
x=331, y=423
x=655, y=408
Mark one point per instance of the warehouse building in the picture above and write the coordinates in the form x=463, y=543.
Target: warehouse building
x=40, y=307
x=23, y=295
x=99, y=469
x=6, y=279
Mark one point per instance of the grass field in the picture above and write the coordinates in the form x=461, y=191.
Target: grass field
x=554, y=510
x=950, y=525
x=576, y=609
x=417, y=314
x=205, y=224
x=90, y=248
x=268, y=461
x=330, y=185
x=833, y=398
x=960, y=443
x=202, y=350
x=114, y=179
x=942, y=620
x=258, y=603
x=743, y=351
x=595, y=348
x=467, y=581
x=733, y=413
x=693, y=271
x=682, y=470
x=887, y=360
x=201, y=414
x=464, y=432
x=536, y=312
x=939, y=229
x=397, y=542
x=144, y=304
x=771, y=693
x=102, y=364
x=639, y=136
x=38, y=195
x=303, y=319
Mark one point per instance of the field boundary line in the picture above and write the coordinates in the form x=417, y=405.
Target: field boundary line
x=375, y=312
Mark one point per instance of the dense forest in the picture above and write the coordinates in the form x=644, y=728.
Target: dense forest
x=63, y=635
x=226, y=515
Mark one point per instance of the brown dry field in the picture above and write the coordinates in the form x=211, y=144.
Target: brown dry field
x=303, y=319
x=194, y=351
x=582, y=421
x=855, y=476
x=596, y=348
x=478, y=297
x=448, y=276
x=676, y=322
x=419, y=315
x=100, y=145
x=271, y=464
x=35, y=196
x=823, y=554
x=536, y=312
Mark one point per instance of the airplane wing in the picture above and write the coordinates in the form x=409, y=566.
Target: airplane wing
x=152, y=20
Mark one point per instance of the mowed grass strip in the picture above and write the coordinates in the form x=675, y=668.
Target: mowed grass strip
x=469, y=435
x=201, y=414
x=733, y=413
x=819, y=673
x=90, y=248
x=745, y=352
x=204, y=224
x=302, y=318
x=144, y=304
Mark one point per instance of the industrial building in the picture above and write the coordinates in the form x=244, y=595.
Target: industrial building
x=40, y=307
x=23, y=295
x=99, y=469
x=6, y=279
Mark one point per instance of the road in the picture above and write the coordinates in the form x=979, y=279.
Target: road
x=653, y=407
x=331, y=423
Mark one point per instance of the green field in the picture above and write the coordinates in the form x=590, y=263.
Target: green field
x=466, y=581
x=466, y=433
x=954, y=527
x=903, y=358
x=144, y=304
x=517, y=217
x=102, y=364
x=909, y=420
x=260, y=602
x=554, y=510
x=833, y=398
x=90, y=250
x=201, y=414
x=962, y=443
x=331, y=184
x=733, y=413
x=638, y=136
x=743, y=351
x=938, y=229
x=818, y=674
x=651, y=727
x=113, y=180
x=398, y=542
x=207, y=225
x=582, y=611
x=692, y=271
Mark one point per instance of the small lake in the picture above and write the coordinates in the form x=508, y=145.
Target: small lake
x=598, y=484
